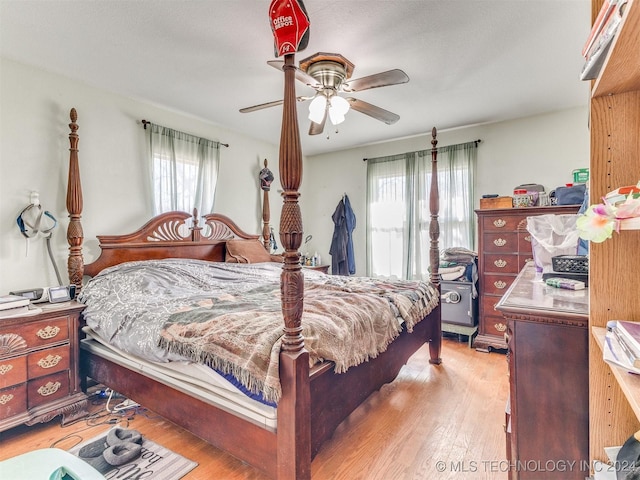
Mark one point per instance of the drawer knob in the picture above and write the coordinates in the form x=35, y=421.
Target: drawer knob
x=527, y=238
x=498, y=222
x=501, y=327
x=499, y=242
x=500, y=263
x=4, y=399
x=11, y=342
x=48, y=332
x=49, y=389
x=49, y=361
x=6, y=368
x=499, y=284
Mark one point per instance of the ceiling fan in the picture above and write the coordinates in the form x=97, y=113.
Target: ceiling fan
x=329, y=75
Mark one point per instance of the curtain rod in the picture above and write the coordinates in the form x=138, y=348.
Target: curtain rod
x=474, y=141
x=147, y=122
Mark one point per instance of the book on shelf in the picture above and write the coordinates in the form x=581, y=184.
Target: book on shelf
x=614, y=354
x=601, y=44
x=632, y=354
x=630, y=332
x=12, y=301
x=603, y=15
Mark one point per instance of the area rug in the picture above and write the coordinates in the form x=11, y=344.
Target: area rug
x=155, y=462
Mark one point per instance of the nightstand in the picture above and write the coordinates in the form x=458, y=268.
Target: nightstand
x=321, y=268
x=39, y=375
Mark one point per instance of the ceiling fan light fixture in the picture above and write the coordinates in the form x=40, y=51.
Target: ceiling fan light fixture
x=317, y=108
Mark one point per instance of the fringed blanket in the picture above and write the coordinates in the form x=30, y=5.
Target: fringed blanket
x=229, y=316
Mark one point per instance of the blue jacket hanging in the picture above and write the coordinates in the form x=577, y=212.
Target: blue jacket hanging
x=342, y=255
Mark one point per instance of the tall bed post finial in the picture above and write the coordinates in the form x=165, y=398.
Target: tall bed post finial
x=266, y=177
x=434, y=208
x=75, y=235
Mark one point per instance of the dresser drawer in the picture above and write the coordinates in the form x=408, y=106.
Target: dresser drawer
x=13, y=371
x=45, y=389
x=496, y=263
x=501, y=242
x=13, y=400
x=496, y=284
x=45, y=332
x=506, y=223
x=45, y=362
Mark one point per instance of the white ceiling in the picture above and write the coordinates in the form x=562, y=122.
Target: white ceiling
x=469, y=61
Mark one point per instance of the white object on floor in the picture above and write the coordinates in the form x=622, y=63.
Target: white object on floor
x=48, y=464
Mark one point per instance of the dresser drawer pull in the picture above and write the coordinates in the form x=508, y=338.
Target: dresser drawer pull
x=4, y=399
x=499, y=284
x=501, y=327
x=499, y=242
x=11, y=342
x=48, y=332
x=49, y=361
x=49, y=389
x=527, y=238
x=500, y=263
x=6, y=368
x=498, y=222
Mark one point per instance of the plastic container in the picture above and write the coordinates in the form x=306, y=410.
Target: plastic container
x=581, y=175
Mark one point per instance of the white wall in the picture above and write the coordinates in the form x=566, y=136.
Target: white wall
x=34, y=155
x=543, y=149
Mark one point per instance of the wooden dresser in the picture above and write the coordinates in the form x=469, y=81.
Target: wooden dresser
x=548, y=358
x=39, y=367
x=504, y=246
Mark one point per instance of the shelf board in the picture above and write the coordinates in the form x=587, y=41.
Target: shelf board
x=621, y=70
x=629, y=382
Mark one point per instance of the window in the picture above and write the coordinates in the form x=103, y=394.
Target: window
x=184, y=171
x=398, y=212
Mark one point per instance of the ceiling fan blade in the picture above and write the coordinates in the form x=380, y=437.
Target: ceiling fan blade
x=300, y=75
x=318, y=128
x=391, y=77
x=271, y=104
x=261, y=106
x=376, y=112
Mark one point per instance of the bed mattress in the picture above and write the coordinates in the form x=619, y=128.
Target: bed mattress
x=193, y=379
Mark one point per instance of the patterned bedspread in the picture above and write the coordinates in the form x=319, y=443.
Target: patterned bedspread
x=229, y=316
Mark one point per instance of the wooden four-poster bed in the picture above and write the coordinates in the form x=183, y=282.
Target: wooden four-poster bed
x=314, y=399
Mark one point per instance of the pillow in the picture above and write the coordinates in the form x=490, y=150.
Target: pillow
x=246, y=251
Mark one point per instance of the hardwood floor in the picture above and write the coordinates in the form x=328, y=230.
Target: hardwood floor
x=431, y=423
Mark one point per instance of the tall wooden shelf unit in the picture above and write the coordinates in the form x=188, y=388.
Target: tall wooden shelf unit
x=614, y=276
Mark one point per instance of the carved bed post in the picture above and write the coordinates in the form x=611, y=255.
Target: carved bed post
x=294, y=426
x=75, y=235
x=434, y=250
x=266, y=177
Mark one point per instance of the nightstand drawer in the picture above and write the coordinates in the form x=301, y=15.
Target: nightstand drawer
x=13, y=400
x=45, y=332
x=45, y=389
x=13, y=371
x=45, y=362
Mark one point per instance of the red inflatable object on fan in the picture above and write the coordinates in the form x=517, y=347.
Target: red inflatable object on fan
x=290, y=26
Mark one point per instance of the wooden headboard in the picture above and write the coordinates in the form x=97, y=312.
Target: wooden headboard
x=170, y=235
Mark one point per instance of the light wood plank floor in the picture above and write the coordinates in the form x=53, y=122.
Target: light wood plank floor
x=431, y=423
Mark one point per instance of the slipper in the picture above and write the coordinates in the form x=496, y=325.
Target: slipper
x=119, y=435
x=93, y=449
x=96, y=461
x=122, y=453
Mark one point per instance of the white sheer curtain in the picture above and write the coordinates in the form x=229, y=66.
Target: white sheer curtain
x=398, y=213
x=184, y=170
